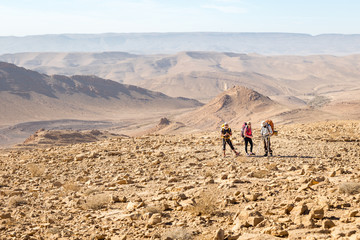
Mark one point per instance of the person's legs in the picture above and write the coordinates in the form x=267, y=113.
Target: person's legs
x=231, y=146
x=251, y=145
x=270, y=150
x=265, y=147
x=246, y=144
x=224, y=145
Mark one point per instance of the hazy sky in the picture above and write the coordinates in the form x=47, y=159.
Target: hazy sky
x=32, y=17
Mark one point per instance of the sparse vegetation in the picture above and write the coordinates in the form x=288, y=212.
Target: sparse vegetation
x=36, y=170
x=206, y=203
x=97, y=201
x=349, y=188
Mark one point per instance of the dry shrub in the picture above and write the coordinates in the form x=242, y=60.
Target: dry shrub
x=350, y=188
x=97, y=201
x=36, y=170
x=206, y=203
x=71, y=186
x=260, y=174
x=16, y=201
x=178, y=234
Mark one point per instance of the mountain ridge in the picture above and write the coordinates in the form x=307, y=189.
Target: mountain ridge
x=155, y=43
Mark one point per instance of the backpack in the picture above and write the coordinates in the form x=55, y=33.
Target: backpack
x=270, y=122
x=243, y=129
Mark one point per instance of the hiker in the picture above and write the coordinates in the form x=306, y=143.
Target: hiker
x=226, y=134
x=266, y=132
x=248, y=138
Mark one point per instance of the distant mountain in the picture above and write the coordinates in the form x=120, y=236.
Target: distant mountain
x=27, y=95
x=204, y=75
x=154, y=43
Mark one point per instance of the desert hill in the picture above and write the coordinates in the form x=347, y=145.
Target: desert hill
x=30, y=101
x=180, y=187
x=235, y=106
x=153, y=43
x=27, y=96
x=204, y=75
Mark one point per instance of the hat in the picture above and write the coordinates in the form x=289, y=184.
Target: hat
x=226, y=124
x=263, y=123
x=248, y=123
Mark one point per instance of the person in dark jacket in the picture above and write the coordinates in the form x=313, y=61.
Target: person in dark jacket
x=226, y=134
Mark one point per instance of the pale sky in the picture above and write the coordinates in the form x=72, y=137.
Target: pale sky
x=34, y=17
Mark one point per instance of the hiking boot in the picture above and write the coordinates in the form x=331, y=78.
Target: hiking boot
x=252, y=153
x=247, y=154
x=271, y=154
x=237, y=154
x=265, y=155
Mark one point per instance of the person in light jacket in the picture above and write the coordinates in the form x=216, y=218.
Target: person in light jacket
x=266, y=132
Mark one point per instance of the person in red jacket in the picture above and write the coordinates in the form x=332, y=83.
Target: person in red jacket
x=248, y=139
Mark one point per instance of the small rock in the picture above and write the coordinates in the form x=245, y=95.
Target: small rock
x=317, y=213
x=5, y=216
x=292, y=168
x=224, y=176
x=353, y=213
x=328, y=224
x=79, y=157
x=299, y=210
x=155, y=219
x=288, y=208
x=57, y=184
x=220, y=235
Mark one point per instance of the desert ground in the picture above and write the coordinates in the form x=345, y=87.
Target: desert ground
x=180, y=187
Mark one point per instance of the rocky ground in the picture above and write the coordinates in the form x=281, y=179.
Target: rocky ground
x=180, y=187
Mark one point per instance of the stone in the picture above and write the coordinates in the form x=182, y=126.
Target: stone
x=276, y=231
x=288, y=208
x=292, y=168
x=328, y=224
x=299, y=209
x=57, y=184
x=132, y=206
x=353, y=213
x=220, y=235
x=317, y=213
x=247, y=218
x=80, y=157
x=155, y=219
x=5, y=215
